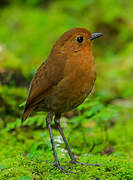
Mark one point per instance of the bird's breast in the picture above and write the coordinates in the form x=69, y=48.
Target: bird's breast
x=75, y=87
x=77, y=83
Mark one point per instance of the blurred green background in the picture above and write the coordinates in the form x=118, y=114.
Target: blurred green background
x=102, y=124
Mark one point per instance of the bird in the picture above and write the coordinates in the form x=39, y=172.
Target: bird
x=63, y=81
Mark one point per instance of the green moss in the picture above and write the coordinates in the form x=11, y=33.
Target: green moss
x=23, y=153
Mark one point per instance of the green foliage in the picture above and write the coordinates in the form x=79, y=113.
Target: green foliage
x=28, y=158
x=26, y=178
x=6, y=58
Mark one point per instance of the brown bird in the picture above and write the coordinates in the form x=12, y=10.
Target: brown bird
x=63, y=81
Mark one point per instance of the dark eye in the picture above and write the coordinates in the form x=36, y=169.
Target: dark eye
x=80, y=39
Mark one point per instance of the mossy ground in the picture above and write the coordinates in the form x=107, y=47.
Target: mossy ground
x=23, y=153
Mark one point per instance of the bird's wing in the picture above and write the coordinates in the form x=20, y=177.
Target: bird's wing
x=47, y=76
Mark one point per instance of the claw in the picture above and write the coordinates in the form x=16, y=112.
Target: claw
x=77, y=162
x=48, y=162
x=61, y=168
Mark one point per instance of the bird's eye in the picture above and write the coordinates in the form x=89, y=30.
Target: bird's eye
x=80, y=39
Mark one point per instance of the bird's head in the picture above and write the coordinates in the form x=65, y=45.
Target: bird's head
x=75, y=40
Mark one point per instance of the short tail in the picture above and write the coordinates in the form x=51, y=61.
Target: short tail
x=26, y=113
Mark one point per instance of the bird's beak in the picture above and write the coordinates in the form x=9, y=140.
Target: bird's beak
x=95, y=35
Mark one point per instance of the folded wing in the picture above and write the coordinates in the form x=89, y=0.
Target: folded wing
x=49, y=74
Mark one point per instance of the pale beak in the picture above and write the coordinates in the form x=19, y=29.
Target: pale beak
x=95, y=35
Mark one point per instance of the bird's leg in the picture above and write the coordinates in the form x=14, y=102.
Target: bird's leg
x=48, y=122
x=73, y=159
x=57, y=123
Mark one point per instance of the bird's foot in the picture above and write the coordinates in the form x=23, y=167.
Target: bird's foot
x=61, y=168
x=88, y=164
x=49, y=162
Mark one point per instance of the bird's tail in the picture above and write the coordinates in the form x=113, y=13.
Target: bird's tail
x=26, y=113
